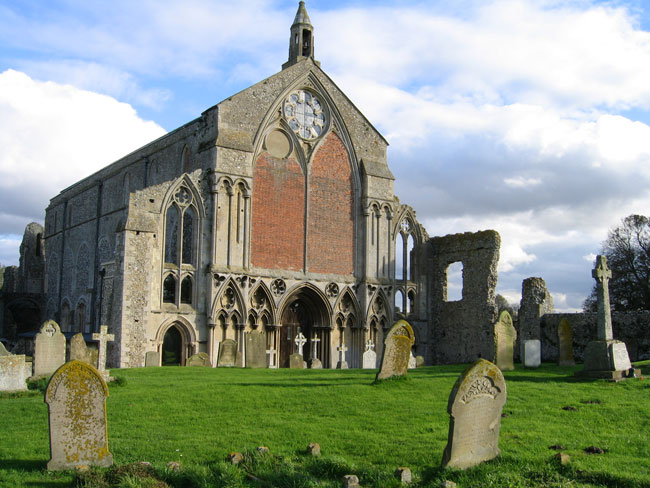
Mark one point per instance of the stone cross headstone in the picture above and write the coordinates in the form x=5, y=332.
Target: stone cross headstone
x=300, y=341
x=315, y=363
x=397, y=350
x=103, y=337
x=342, y=363
x=532, y=353
x=227, y=353
x=49, y=349
x=370, y=356
x=475, y=406
x=78, y=349
x=200, y=359
x=605, y=357
x=255, y=350
x=14, y=371
x=271, y=358
x=76, y=399
x=602, y=274
x=565, y=343
x=151, y=358
x=505, y=336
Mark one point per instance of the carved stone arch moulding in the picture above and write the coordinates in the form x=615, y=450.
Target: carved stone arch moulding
x=229, y=299
x=185, y=327
x=262, y=302
x=347, y=304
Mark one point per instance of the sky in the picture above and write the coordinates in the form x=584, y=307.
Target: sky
x=528, y=117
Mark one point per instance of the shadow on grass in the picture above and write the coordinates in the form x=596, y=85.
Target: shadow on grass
x=23, y=464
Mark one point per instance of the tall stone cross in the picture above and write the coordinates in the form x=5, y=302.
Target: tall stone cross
x=300, y=342
x=341, y=349
x=370, y=346
x=314, y=347
x=271, y=353
x=602, y=274
x=103, y=337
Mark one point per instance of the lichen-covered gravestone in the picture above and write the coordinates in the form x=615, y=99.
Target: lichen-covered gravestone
x=505, y=336
x=227, y=353
x=49, y=349
x=565, y=343
x=255, y=350
x=76, y=399
x=200, y=359
x=397, y=350
x=296, y=361
x=78, y=349
x=475, y=405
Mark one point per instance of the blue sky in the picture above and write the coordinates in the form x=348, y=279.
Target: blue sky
x=528, y=117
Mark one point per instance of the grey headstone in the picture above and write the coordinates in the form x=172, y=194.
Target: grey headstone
x=532, y=353
x=49, y=349
x=505, y=336
x=397, y=350
x=475, y=405
x=200, y=359
x=315, y=364
x=78, y=349
x=227, y=353
x=255, y=350
x=152, y=358
x=565, y=343
x=13, y=372
x=620, y=358
x=76, y=399
x=296, y=361
x=369, y=359
x=419, y=361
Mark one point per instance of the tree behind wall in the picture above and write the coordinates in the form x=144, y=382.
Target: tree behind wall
x=627, y=249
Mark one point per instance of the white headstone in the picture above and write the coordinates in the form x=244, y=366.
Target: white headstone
x=49, y=349
x=103, y=337
x=271, y=358
x=300, y=341
x=14, y=371
x=532, y=353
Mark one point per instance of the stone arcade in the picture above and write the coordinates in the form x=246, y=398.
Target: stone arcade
x=272, y=212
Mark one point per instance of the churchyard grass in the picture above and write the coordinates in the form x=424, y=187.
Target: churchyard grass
x=196, y=416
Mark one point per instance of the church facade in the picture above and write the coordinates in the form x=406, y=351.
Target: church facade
x=273, y=212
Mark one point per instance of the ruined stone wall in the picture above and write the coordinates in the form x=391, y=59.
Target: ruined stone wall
x=633, y=328
x=463, y=330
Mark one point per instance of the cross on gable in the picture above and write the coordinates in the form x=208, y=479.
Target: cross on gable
x=601, y=272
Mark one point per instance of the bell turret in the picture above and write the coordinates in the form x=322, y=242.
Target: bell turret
x=301, y=43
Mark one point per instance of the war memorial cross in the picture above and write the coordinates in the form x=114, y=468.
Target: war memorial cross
x=602, y=274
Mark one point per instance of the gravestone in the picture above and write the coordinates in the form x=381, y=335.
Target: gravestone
x=151, y=358
x=419, y=361
x=227, y=353
x=296, y=361
x=565, y=343
x=412, y=362
x=49, y=349
x=605, y=357
x=475, y=406
x=271, y=358
x=76, y=399
x=370, y=356
x=3, y=350
x=300, y=341
x=200, y=359
x=103, y=337
x=532, y=353
x=342, y=363
x=78, y=349
x=255, y=350
x=505, y=336
x=315, y=363
x=14, y=371
x=397, y=350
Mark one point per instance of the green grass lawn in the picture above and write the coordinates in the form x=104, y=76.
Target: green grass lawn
x=198, y=415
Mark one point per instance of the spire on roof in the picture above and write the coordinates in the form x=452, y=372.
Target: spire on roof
x=301, y=43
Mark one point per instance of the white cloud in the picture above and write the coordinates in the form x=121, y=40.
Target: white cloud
x=53, y=135
x=522, y=182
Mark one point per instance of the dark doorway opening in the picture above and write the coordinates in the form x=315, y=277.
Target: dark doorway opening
x=296, y=318
x=172, y=348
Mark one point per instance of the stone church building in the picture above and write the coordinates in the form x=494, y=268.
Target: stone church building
x=274, y=212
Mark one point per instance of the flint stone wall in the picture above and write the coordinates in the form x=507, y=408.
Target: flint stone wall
x=463, y=330
x=629, y=327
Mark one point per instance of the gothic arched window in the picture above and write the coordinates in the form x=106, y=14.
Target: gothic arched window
x=186, y=290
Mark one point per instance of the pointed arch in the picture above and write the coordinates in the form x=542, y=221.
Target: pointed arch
x=230, y=298
x=351, y=308
x=261, y=290
x=316, y=296
x=187, y=332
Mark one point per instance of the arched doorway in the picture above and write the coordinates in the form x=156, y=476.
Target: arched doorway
x=305, y=311
x=172, y=348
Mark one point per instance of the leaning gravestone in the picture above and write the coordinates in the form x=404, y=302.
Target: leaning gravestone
x=76, y=399
x=505, y=336
x=475, y=406
x=151, y=358
x=255, y=350
x=78, y=349
x=227, y=353
x=296, y=361
x=397, y=350
x=565, y=343
x=532, y=353
x=14, y=371
x=200, y=359
x=49, y=349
